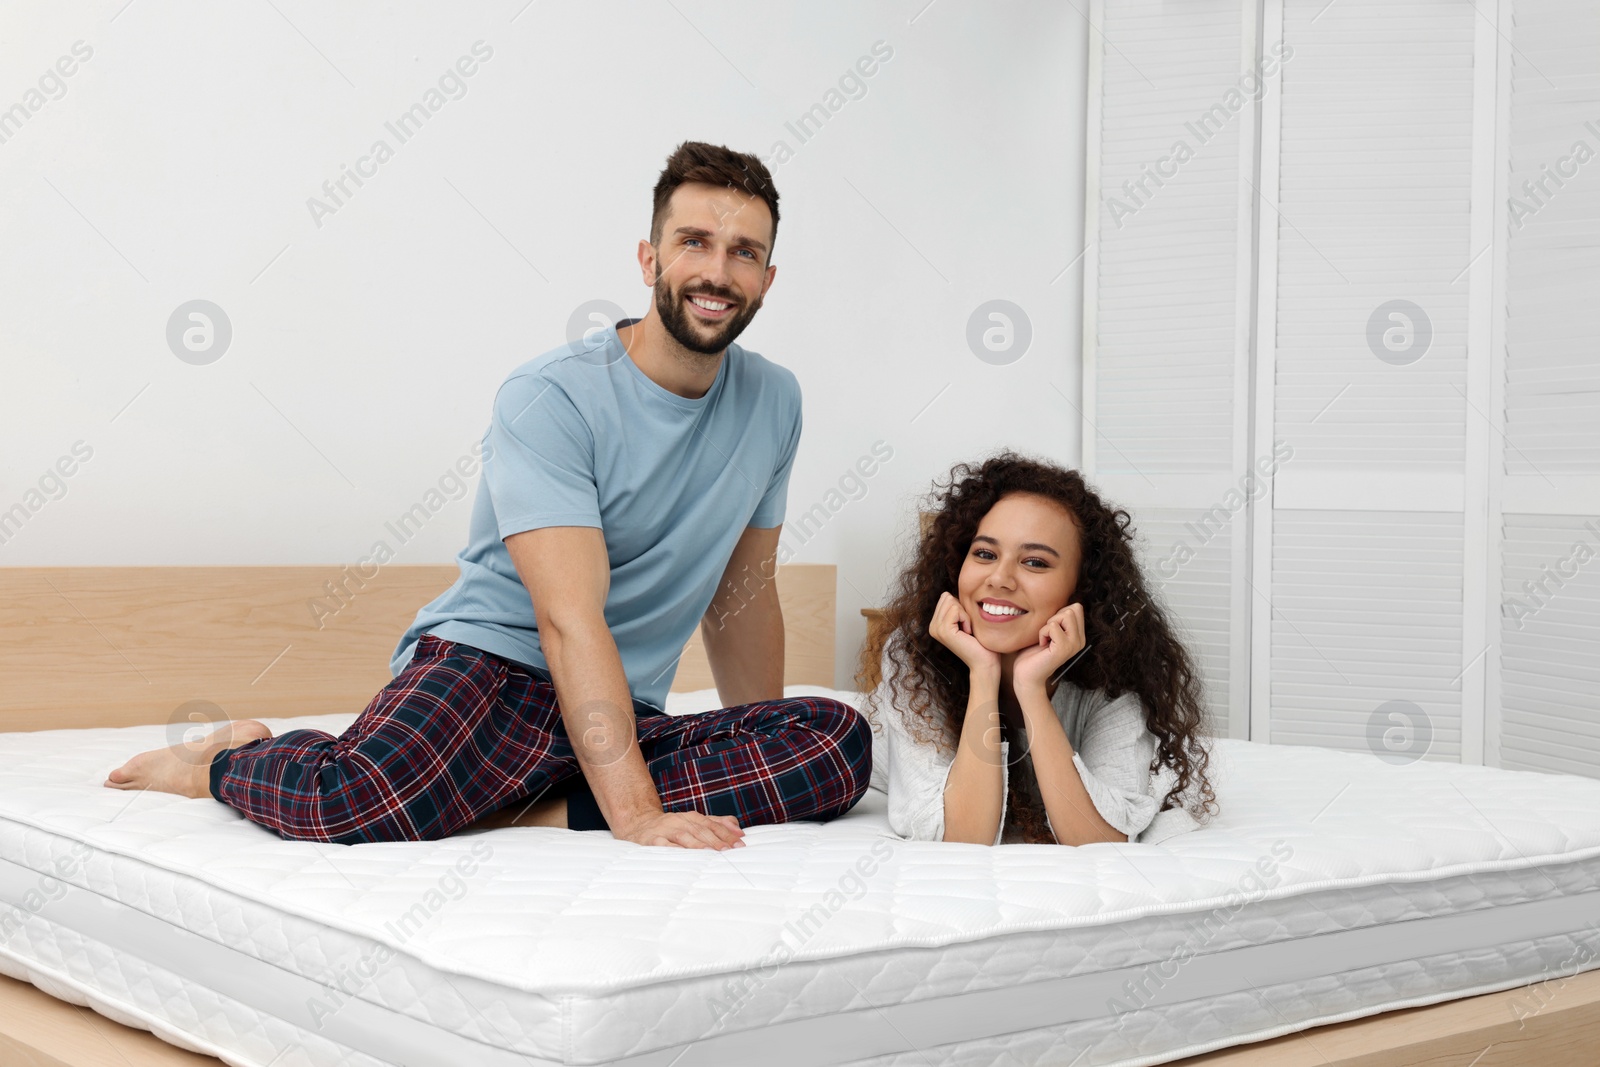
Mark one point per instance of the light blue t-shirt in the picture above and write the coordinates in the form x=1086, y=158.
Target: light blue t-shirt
x=580, y=436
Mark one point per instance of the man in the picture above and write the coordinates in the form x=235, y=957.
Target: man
x=631, y=485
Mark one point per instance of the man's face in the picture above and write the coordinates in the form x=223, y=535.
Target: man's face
x=710, y=265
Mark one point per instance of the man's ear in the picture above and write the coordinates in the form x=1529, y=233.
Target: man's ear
x=654, y=269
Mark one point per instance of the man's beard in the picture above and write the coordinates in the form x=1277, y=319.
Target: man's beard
x=676, y=318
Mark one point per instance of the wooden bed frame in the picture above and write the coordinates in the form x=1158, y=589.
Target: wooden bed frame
x=124, y=646
x=121, y=646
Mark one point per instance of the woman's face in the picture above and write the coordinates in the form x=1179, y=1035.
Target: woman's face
x=1021, y=569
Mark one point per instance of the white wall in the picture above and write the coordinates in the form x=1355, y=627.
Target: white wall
x=178, y=161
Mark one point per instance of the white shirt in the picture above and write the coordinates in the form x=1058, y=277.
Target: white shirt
x=1112, y=749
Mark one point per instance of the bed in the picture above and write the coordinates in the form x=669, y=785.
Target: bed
x=1335, y=899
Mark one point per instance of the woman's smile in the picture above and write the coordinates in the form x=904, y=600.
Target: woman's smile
x=995, y=611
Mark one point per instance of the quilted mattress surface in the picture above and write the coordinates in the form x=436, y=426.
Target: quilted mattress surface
x=1331, y=885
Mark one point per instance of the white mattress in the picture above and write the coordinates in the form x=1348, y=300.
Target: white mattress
x=1332, y=886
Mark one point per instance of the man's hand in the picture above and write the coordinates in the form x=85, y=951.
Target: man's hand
x=686, y=829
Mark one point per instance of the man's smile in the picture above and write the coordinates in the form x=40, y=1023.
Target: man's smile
x=710, y=307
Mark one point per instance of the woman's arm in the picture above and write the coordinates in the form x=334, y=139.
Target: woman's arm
x=1074, y=819
x=975, y=790
x=1073, y=815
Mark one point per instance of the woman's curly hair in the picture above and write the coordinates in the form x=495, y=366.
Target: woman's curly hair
x=1131, y=645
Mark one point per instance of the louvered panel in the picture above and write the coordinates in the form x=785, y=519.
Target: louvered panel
x=1550, y=644
x=1366, y=609
x=1166, y=306
x=1375, y=174
x=1552, y=367
x=1188, y=567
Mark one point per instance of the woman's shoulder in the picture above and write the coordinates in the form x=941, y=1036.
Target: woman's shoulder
x=1098, y=723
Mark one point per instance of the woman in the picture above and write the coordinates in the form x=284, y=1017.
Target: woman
x=1031, y=689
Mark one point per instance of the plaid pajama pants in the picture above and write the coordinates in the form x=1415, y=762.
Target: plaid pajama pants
x=461, y=733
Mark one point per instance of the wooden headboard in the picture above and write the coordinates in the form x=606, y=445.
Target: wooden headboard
x=120, y=646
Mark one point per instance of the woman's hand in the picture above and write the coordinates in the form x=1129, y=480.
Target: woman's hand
x=1061, y=638
x=953, y=629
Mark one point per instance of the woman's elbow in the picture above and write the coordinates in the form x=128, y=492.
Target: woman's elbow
x=1110, y=836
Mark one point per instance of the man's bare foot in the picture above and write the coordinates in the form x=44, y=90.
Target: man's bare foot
x=184, y=769
x=551, y=812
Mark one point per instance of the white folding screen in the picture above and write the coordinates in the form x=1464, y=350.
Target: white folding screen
x=1363, y=358
x=1360, y=305
x=1166, y=323
x=1546, y=506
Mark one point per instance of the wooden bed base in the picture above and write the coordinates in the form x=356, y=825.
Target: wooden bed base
x=39, y=1031
x=120, y=646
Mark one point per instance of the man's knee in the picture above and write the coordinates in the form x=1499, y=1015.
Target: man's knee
x=853, y=734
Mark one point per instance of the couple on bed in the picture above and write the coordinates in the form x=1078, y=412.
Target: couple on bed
x=634, y=485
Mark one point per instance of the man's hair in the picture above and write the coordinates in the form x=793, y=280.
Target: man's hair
x=711, y=164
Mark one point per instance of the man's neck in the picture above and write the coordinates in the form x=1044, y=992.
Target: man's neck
x=666, y=362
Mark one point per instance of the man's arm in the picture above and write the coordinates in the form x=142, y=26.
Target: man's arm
x=743, y=627
x=567, y=575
